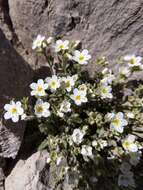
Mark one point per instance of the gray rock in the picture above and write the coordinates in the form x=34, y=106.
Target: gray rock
x=26, y=174
x=5, y=22
x=35, y=174
x=15, y=76
x=2, y=177
x=107, y=28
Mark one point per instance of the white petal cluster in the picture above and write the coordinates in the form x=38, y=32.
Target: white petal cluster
x=69, y=82
x=13, y=111
x=42, y=109
x=130, y=115
x=108, y=77
x=118, y=122
x=124, y=72
x=38, y=89
x=38, y=43
x=65, y=107
x=53, y=83
x=77, y=136
x=102, y=143
x=49, y=40
x=83, y=88
x=81, y=57
x=86, y=152
x=79, y=96
x=133, y=60
x=61, y=45
x=105, y=92
x=94, y=143
x=105, y=89
x=129, y=144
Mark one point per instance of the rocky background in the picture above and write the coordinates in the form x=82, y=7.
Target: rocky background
x=107, y=28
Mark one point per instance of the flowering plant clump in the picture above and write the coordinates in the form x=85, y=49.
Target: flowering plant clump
x=95, y=124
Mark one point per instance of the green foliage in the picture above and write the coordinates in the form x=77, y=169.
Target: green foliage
x=93, y=126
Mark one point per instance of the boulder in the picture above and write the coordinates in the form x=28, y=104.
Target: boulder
x=26, y=174
x=15, y=76
x=107, y=28
x=36, y=174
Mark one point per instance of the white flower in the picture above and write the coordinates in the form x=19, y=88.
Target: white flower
x=118, y=122
x=49, y=40
x=38, y=89
x=42, y=109
x=38, y=43
x=65, y=107
x=75, y=77
x=13, y=111
x=82, y=57
x=77, y=136
x=133, y=60
x=61, y=45
x=53, y=83
x=129, y=144
x=124, y=71
x=105, y=92
x=135, y=157
x=102, y=143
x=125, y=167
x=108, y=77
x=79, y=96
x=23, y=116
x=69, y=82
x=83, y=87
x=60, y=114
x=126, y=180
x=86, y=152
x=94, y=143
x=130, y=115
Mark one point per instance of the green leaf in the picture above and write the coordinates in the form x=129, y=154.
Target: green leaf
x=43, y=145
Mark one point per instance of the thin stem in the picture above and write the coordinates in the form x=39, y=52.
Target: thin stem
x=50, y=64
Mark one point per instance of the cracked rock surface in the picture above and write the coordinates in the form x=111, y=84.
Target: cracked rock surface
x=26, y=174
x=35, y=174
x=15, y=75
x=106, y=28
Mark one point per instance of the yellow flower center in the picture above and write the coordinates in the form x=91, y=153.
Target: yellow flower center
x=126, y=144
x=78, y=97
x=68, y=84
x=39, y=109
x=133, y=61
x=81, y=58
x=116, y=122
x=53, y=84
x=14, y=110
x=61, y=46
x=104, y=91
x=40, y=88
